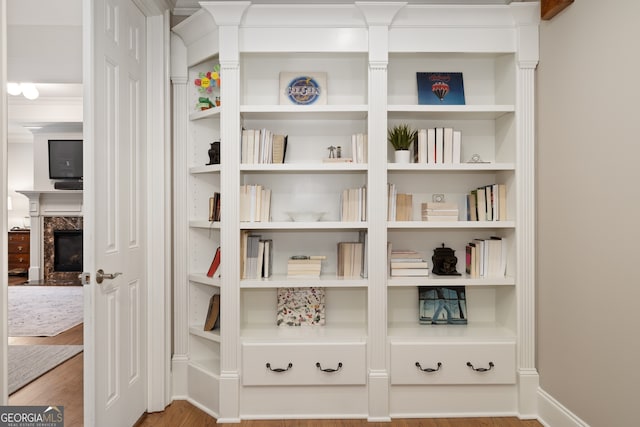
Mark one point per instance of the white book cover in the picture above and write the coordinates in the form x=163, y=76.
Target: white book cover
x=457, y=140
x=447, y=153
x=422, y=146
x=431, y=146
x=439, y=145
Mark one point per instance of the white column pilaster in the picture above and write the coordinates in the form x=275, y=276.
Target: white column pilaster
x=179, y=80
x=228, y=16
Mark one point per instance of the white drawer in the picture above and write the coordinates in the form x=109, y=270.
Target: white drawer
x=303, y=364
x=491, y=363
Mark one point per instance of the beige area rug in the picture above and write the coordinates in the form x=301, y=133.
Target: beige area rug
x=44, y=311
x=28, y=362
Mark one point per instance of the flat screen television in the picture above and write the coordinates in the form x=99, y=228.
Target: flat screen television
x=65, y=159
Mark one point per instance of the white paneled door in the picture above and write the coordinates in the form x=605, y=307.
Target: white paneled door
x=115, y=209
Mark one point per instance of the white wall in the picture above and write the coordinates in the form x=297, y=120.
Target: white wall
x=20, y=177
x=589, y=210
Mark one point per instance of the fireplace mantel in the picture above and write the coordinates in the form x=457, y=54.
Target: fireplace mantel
x=47, y=203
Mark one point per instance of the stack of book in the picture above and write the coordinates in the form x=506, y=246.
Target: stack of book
x=437, y=146
x=440, y=211
x=350, y=259
x=255, y=203
x=487, y=203
x=308, y=267
x=262, y=146
x=353, y=204
x=407, y=263
x=256, y=256
x=486, y=257
x=399, y=205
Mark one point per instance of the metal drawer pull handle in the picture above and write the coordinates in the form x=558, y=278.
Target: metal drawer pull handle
x=329, y=369
x=429, y=369
x=491, y=365
x=289, y=366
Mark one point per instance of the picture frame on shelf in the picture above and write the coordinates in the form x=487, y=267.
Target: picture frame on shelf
x=301, y=307
x=440, y=88
x=442, y=305
x=303, y=88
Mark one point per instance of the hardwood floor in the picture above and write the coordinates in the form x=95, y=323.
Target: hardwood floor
x=183, y=414
x=60, y=386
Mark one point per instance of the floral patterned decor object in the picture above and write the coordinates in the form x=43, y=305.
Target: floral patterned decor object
x=206, y=82
x=300, y=306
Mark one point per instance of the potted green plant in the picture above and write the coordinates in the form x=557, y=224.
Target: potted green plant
x=401, y=137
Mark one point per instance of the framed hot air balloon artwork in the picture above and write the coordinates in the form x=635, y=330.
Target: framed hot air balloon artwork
x=440, y=88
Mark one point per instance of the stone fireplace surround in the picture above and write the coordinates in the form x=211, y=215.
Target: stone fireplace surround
x=51, y=210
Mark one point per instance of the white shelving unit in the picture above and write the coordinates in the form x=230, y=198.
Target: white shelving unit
x=363, y=363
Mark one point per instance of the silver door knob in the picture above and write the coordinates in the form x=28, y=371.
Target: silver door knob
x=101, y=275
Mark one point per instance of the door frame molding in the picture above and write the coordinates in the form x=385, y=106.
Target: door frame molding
x=3, y=202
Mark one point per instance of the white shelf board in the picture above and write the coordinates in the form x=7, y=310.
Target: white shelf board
x=207, y=366
x=325, y=281
x=204, y=280
x=483, y=331
x=449, y=224
x=464, y=280
x=343, y=332
x=304, y=167
x=204, y=169
x=303, y=225
x=449, y=112
x=204, y=224
x=462, y=167
x=208, y=335
x=199, y=115
x=305, y=112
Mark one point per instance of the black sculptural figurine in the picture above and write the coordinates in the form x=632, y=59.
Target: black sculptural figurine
x=214, y=153
x=444, y=262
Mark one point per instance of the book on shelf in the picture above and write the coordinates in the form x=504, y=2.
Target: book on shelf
x=353, y=204
x=439, y=211
x=350, y=259
x=213, y=313
x=440, y=145
x=214, y=270
x=255, y=203
x=262, y=146
x=400, y=205
x=363, y=237
x=337, y=160
x=407, y=262
x=359, y=147
x=305, y=266
x=487, y=203
x=442, y=305
x=440, y=88
x=256, y=256
x=214, y=207
x=486, y=258
x=300, y=307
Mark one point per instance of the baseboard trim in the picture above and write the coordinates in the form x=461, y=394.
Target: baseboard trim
x=552, y=413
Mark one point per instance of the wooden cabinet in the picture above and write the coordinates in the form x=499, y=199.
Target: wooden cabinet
x=19, y=252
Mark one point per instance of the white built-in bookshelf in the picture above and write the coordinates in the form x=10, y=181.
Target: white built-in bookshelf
x=362, y=362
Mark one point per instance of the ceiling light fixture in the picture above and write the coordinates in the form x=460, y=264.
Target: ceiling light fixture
x=29, y=90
